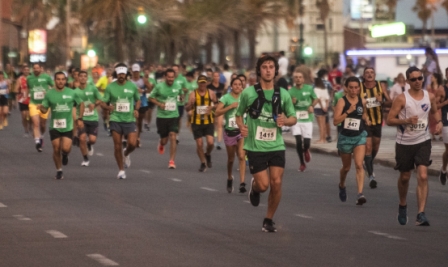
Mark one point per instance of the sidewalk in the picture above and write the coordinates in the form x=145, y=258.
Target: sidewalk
x=386, y=154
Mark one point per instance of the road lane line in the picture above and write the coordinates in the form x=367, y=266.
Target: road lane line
x=304, y=216
x=209, y=189
x=99, y=154
x=145, y=171
x=103, y=260
x=387, y=235
x=175, y=180
x=2, y=205
x=56, y=234
x=21, y=218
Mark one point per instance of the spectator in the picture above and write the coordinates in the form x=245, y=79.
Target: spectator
x=323, y=75
x=334, y=73
x=431, y=66
x=399, y=87
x=320, y=110
x=283, y=63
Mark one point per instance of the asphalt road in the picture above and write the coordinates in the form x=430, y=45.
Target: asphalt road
x=161, y=217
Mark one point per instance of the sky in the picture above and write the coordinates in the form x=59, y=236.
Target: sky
x=406, y=15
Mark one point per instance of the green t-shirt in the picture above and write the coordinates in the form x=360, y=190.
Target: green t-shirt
x=88, y=95
x=264, y=135
x=61, y=104
x=182, y=82
x=168, y=95
x=152, y=81
x=123, y=97
x=337, y=96
x=305, y=97
x=191, y=86
x=227, y=100
x=38, y=87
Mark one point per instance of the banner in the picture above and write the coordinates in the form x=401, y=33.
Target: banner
x=37, y=42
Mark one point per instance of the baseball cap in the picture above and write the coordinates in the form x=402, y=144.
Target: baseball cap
x=136, y=67
x=121, y=70
x=202, y=79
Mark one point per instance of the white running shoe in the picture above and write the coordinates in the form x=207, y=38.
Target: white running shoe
x=127, y=159
x=90, y=151
x=85, y=163
x=121, y=175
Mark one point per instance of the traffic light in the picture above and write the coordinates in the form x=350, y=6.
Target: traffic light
x=141, y=16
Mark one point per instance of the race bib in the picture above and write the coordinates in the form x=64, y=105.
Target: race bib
x=372, y=102
x=39, y=95
x=123, y=107
x=59, y=124
x=3, y=91
x=266, y=134
x=232, y=123
x=201, y=110
x=302, y=115
x=170, y=106
x=87, y=112
x=420, y=126
x=352, y=124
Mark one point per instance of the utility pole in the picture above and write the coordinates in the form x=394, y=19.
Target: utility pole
x=67, y=29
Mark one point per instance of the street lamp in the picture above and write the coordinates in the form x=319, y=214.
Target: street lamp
x=308, y=51
x=142, y=19
x=91, y=53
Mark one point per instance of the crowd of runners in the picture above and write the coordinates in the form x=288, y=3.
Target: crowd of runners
x=245, y=113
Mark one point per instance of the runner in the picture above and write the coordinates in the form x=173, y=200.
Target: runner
x=89, y=94
x=24, y=100
x=351, y=112
x=442, y=96
x=410, y=112
x=101, y=85
x=152, y=83
x=4, y=108
x=304, y=99
x=218, y=89
x=376, y=97
x=38, y=84
x=61, y=101
x=142, y=85
x=232, y=136
x=122, y=95
x=165, y=96
x=201, y=102
x=268, y=109
x=182, y=82
x=191, y=86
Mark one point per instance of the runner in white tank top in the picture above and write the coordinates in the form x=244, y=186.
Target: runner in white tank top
x=409, y=113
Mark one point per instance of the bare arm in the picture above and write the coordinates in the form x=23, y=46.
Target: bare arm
x=397, y=105
x=338, y=116
x=221, y=110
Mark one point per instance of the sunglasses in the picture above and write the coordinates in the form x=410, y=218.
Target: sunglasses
x=415, y=79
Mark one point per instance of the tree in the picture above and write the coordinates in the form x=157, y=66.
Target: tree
x=294, y=9
x=324, y=11
x=445, y=5
x=392, y=5
x=424, y=12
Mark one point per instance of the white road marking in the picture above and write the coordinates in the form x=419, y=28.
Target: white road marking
x=103, y=260
x=21, y=218
x=209, y=189
x=304, y=216
x=2, y=205
x=56, y=234
x=387, y=235
x=99, y=154
x=175, y=180
x=145, y=171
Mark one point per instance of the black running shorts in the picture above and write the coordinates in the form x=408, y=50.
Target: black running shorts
x=165, y=126
x=55, y=134
x=123, y=128
x=90, y=128
x=260, y=161
x=409, y=156
x=200, y=131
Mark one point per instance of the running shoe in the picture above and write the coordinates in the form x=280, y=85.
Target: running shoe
x=90, y=149
x=121, y=175
x=209, y=160
x=127, y=160
x=171, y=165
x=39, y=147
x=254, y=197
x=372, y=182
x=177, y=141
x=59, y=175
x=146, y=126
x=218, y=147
x=105, y=126
x=243, y=188
x=268, y=226
x=203, y=167
x=402, y=215
x=230, y=185
x=329, y=139
x=342, y=194
x=361, y=199
x=442, y=177
x=307, y=155
x=85, y=163
x=421, y=220
x=64, y=159
x=161, y=149
x=302, y=167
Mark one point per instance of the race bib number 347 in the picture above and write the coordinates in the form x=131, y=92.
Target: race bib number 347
x=266, y=134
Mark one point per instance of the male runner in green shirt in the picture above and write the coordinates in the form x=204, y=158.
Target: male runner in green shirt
x=263, y=138
x=122, y=95
x=61, y=101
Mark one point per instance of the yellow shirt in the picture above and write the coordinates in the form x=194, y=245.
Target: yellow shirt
x=102, y=84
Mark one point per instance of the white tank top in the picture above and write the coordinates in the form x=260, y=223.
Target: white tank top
x=411, y=134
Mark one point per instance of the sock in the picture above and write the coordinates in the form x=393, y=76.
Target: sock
x=299, y=148
x=86, y=158
x=306, y=143
x=374, y=153
x=64, y=154
x=37, y=140
x=60, y=170
x=368, y=161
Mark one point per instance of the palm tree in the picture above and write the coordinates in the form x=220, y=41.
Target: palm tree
x=324, y=11
x=424, y=12
x=391, y=4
